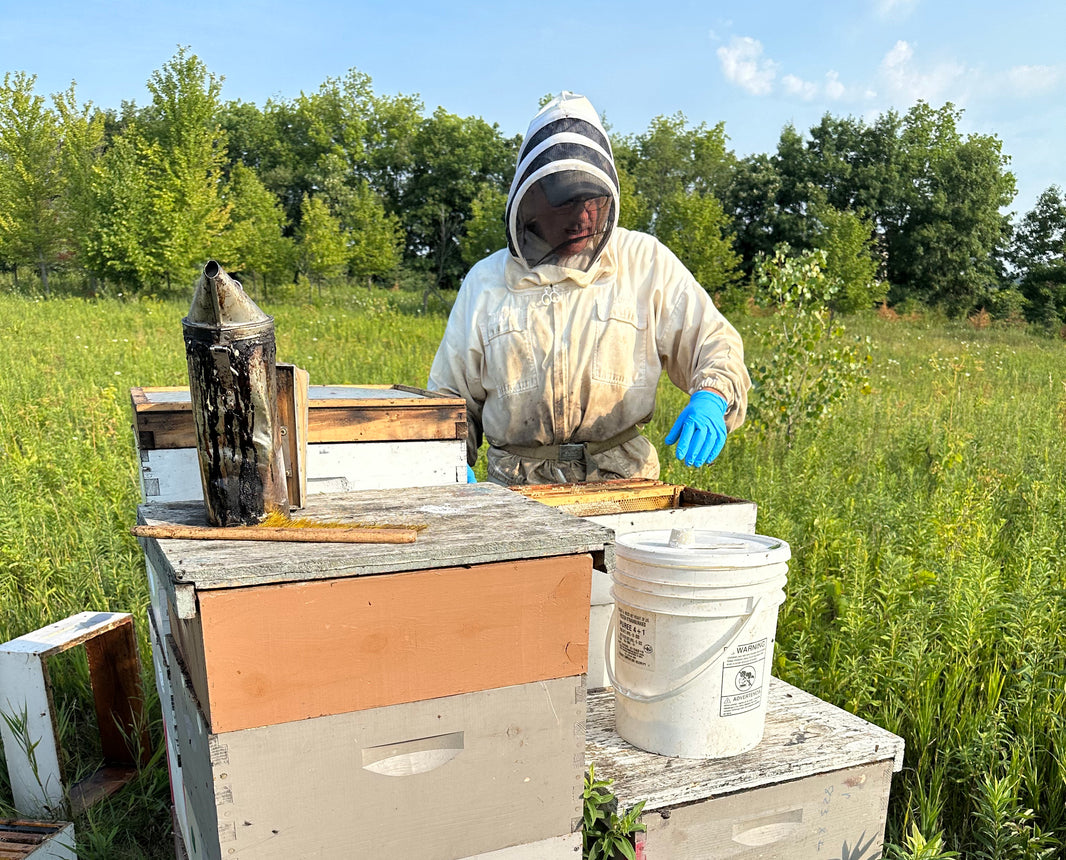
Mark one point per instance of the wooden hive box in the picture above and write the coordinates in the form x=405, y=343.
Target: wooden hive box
x=489, y=764
x=815, y=788
x=356, y=437
x=36, y=771
x=461, y=654
x=437, y=779
x=631, y=505
x=36, y=840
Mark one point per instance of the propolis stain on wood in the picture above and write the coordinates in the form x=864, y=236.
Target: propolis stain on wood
x=230, y=351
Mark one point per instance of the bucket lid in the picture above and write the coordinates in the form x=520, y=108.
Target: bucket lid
x=702, y=549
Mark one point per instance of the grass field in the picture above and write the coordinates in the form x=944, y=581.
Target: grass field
x=926, y=590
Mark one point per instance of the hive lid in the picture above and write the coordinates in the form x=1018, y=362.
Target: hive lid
x=465, y=524
x=702, y=548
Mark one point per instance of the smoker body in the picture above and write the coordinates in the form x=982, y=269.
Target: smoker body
x=230, y=350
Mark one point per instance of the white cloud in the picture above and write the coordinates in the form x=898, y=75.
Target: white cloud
x=903, y=77
x=798, y=87
x=895, y=9
x=901, y=54
x=907, y=83
x=833, y=88
x=1033, y=80
x=743, y=64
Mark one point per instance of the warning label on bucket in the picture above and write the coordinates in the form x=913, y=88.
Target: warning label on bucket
x=636, y=637
x=742, y=678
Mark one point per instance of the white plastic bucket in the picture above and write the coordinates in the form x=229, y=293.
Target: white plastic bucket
x=693, y=637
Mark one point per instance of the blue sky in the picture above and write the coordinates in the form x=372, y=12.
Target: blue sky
x=755, y=66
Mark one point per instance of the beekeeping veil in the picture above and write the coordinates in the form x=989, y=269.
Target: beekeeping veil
x=563, y=203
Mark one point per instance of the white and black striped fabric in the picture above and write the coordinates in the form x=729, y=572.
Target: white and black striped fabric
x=566, y=151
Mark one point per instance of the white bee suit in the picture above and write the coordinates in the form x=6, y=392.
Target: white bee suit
x=558, y=357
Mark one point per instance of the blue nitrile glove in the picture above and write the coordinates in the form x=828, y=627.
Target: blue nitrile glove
x=700, y=428
x=470, y=478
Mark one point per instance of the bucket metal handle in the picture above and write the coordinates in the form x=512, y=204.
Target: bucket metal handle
x=707, y=662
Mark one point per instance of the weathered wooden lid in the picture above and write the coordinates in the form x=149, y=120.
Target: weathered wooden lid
x=465, y=524
x=804, y=737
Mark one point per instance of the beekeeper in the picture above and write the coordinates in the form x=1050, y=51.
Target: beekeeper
x=557, y=342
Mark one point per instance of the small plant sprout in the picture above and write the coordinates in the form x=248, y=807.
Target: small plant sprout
x=606, y=834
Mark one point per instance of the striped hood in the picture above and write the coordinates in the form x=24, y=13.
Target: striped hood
x=565, y=164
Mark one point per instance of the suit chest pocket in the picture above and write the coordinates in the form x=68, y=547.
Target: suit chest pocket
x=622, y=345
x=510, y=365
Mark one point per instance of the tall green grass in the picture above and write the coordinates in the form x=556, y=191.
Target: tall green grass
x=926, y=590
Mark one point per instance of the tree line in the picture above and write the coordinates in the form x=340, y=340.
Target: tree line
x=343, y=185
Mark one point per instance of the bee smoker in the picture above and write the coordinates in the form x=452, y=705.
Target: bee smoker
x=230, y=350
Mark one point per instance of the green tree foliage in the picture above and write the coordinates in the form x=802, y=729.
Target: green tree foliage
x=255, y=245
x=1040, y=237
x=950, y=197
x=846, y=239
x=485, y=231
x=31, y=179
x=1044, y=289
x=324, y=138
x=82, y=129
x=322, y=245
x=263, y=140
x=786, y=220
x=312, y=144
x=375, y=240
x=1038, y=257
x=184, y=159
x=333, y=141
x=632, y=212
x=673, y=179
x=118, y=245
x=750, y=201
x=671, y=158
x=158, y=191
x=452, y=158
x=141, y=196
x=379, y=164
x=694, y=227
x=933, y=195
x=770, y=197
x=391, y=125
x=809, y=365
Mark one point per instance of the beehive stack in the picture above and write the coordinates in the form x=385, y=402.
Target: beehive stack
x=423, y=700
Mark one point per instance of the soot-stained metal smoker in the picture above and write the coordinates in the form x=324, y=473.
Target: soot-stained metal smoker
x=230, y=350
